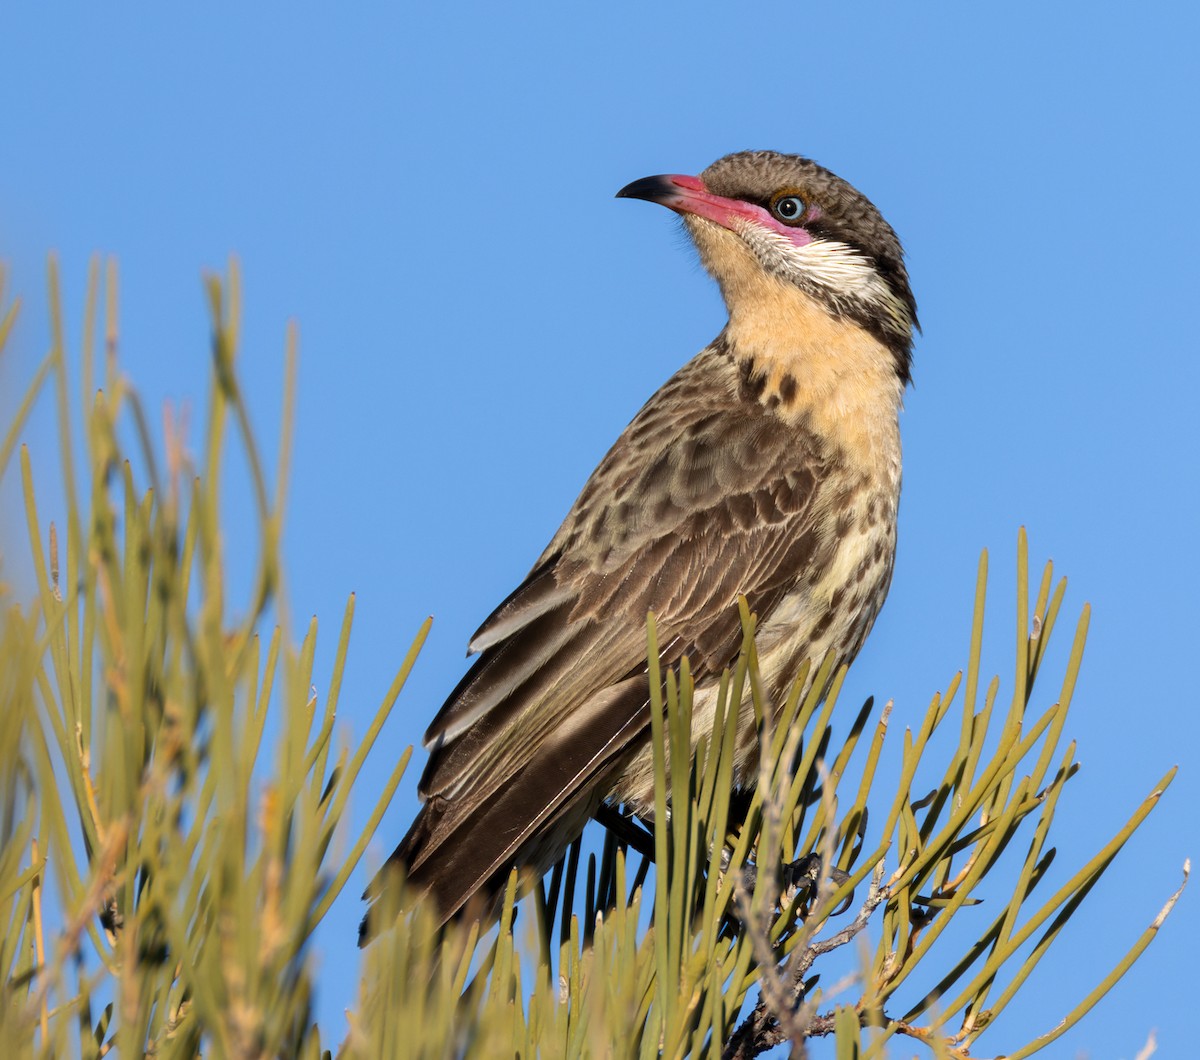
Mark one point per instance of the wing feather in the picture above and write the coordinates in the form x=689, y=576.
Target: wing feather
x=536, y=595
x=498, y=673
x=704, y=497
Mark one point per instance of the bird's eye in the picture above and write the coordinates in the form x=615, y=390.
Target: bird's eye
x=788, y=208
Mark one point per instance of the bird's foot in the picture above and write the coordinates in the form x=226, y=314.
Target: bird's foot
x=802, y=878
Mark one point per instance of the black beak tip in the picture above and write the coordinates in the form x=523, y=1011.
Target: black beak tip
x=651, y=189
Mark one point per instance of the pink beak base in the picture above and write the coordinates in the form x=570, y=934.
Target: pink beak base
x=688, y=195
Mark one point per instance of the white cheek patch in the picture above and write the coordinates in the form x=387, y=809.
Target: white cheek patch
x=835, y=267
x=831, y=264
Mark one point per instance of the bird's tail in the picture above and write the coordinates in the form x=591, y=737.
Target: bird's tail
x=463, y=846
x=462, y=869
x=422, y=870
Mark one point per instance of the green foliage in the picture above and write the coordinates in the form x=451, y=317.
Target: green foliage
x=173, y=814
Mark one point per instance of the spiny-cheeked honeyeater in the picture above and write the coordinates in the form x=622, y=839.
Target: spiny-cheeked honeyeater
x=767, y=467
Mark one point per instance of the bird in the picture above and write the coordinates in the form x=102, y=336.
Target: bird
x=768, y=467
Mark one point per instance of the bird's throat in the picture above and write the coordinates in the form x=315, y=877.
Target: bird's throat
x=797, y=358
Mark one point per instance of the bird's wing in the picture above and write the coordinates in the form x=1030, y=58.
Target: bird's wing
x=704, y=497
x=451, y=856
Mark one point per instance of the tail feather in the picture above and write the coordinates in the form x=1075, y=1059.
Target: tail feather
x=452, y=852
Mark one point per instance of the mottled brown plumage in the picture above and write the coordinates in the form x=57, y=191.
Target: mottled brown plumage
x=768, y=466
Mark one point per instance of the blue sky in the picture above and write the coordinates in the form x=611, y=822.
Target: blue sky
x=428, y=193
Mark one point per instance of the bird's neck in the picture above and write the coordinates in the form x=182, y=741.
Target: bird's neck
x=799, y=359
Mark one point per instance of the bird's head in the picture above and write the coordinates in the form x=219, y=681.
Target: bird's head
x=761, y=219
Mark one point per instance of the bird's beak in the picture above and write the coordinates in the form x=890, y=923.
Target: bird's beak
x=663, y=189
x=688, y=195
